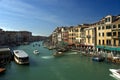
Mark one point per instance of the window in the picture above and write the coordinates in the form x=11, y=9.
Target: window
x=114, y=43
x=118, y=25
x=119, y=43
x=103, y=34
x=99, y=28
x=118, y=34
x=99, y=42
x=108, y=33
x=103, y=27
x=108, y=42
x=103, y=42
x=114, y=33
x=108, y=27
x=99, y=34
x=114, y=26
x=107, y=19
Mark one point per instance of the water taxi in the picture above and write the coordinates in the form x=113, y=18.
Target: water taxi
x=58, y=54
x=115, y=73
x=36, y=51
x=21, y=57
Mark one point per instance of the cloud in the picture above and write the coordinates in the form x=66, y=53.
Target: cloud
x=19, y=8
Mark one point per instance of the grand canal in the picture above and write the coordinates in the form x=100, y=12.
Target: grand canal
x=46, y=67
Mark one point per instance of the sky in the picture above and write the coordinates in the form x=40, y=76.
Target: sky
x=41, y=17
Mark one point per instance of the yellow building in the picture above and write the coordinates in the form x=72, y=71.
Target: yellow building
x=108, y=33
x=72, y=36
x=90, y=35
x=116, y=32
x=77, y=33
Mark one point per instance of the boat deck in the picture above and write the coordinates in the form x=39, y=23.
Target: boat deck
x=2, y=70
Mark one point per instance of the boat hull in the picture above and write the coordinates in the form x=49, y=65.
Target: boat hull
x=98, y=59
x=18, y=62
x=58, y=54
x=115, y=73
x=2, y=70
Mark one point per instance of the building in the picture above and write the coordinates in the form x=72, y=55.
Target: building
x=64, y=34
x=71, y=35
x=77, y=33
x=108, y=31
x=102, y=35
x=2, y=37
x=116, y=32
x=90, y=36
x=26, y=35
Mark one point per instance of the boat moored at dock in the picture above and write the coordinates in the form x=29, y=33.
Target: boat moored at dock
x=21, y=57
x=98, y=59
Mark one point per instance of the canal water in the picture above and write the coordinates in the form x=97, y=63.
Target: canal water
x=44, y=66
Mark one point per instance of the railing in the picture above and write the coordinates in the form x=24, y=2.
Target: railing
x=88, y=36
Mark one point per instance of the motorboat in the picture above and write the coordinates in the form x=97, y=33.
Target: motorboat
x=36, y=51
x=58, y=54
x=98, y=59
x=115, y=73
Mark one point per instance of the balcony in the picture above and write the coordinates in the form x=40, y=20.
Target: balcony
x=88, y=36
x=115, y=29
x=116, y=36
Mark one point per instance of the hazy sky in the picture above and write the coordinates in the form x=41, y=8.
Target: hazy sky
x=41, y=17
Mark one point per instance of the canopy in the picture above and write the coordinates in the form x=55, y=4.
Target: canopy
x=99, y=46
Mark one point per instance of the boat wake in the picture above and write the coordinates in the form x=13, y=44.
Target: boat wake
x=72, y=53
x=47, y=57
x=114, y=77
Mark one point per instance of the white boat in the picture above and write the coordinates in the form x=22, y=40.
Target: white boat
x=21, y=57
x=115, y=73
x=36, y=51
x=58, y=54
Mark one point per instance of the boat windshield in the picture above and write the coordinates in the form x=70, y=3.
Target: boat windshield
x=118, y=71
x=24, y=59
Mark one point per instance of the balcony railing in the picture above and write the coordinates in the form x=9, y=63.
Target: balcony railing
x=88, y=36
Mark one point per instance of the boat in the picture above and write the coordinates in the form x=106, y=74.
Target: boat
x=5, y=56
x=2, y=70
x=58, y=54
x=36, y=51
x=115, y=73
x=98, y=58
x=21, y=57
x=50, y=48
